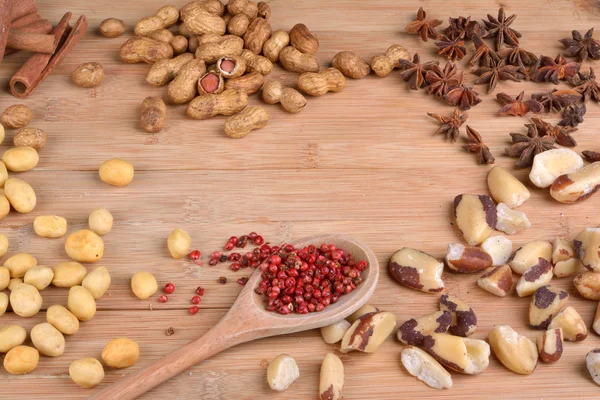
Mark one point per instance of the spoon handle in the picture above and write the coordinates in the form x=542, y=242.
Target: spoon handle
x=221, y=337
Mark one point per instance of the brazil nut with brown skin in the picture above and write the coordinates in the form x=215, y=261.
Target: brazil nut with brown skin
x=535, y=277
x=498, y=281
x=464, y=320
x=475, y=217
x=464, y=355
x=587, y=248
x=467, y=259
x=546, y=302
x=528, y=255
x=417, y=270
x=573, y=326
x=414, y=330
x=368, y=332
x=577, y=186
x=550, y=345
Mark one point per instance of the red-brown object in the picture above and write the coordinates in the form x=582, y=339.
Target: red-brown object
x=40, y=65
x=22, y=39
x=40, y=25
x=21, y=8
x=6, y=8
x=25, y=19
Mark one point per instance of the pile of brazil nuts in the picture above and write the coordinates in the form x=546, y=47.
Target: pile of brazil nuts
x=221, y=54
x=437, y=341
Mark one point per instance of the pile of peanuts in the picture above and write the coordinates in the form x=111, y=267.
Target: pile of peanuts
x=222, y=54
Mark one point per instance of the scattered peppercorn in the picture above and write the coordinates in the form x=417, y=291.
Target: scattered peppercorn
x=194, y=310
x=223, y=258
x=200, y=291
x=242, y=281
x=195, y=255
x=222, y=280
x=163, y=298
x=170, y=331
x=196, y=299
x=169, y=288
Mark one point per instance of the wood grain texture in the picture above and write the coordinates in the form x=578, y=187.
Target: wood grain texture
x=363, y=162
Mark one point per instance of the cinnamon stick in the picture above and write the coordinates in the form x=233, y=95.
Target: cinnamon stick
x=40, y=65
x=6, y=7
x=39, y=26
x=21, y=8
x=25, y=19
x=36, y=42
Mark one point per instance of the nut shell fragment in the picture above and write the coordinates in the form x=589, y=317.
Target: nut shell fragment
x=417, y=270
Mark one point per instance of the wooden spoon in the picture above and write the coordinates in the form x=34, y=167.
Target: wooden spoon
x=248, y=320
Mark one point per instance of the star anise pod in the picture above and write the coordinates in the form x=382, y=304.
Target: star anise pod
x=483, y=53
x=476, y=145
x=424, y=26
x=573, y=115
x=414, y=72
x=591, y=156
x=525, y=72
x=518, y=56
x=553, y=70
x=500, y=29
x=463, y=25
x=586, y=85
x=453, y=48
x=556, y=100
x=464, y=97
x=525, y=147
x=450, y=125
x=495, y=72
x=582, y=47
x=516, y=106
x=441, y=81
x=562, y=134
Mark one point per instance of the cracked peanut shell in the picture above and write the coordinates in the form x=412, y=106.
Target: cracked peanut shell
x=546, y=302
x=414, y=330
x=475, y=217
x=417, y=270
x=464, y=320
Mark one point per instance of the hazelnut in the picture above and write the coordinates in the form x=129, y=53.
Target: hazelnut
x=414, y=330
x=573, y=326
x=577, y=186
x=511, y=221
x=464, y=320
x=417, y=270
x=550, y=345
x=546, y=302
x=517, y=353
x=528, y=255
x=549, y=165
x=535, y=277
x=425, y=368
x=499, y=248
x=588, y=285
x=464, y=355
x=498, y=281
x=505, y=188
x=475, y=217
x=368, y=332
x=467, y=259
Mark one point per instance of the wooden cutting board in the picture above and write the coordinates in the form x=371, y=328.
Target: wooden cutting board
x=362, y=162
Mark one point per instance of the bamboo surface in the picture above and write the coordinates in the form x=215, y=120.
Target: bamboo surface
x=363, y=162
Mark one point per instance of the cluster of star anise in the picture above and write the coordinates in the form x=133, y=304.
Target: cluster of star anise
x=505, y=60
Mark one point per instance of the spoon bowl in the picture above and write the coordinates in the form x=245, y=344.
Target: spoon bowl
x=248, y=320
